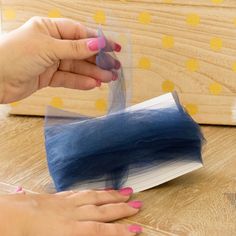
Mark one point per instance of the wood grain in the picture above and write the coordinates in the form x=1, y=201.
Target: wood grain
x=199, y=203
x=203, y=77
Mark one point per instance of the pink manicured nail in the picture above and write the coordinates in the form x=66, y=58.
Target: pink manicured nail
x=126, y=191
x=117, y=65
x=115, y=76
x=99, y=83
x=135, y=204
x=19, y=189
x=135, y=229
x=96, y=44
x=117, y=47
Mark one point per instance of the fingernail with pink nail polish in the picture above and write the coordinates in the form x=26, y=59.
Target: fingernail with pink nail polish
x=135, y=229
x=115, y=76
x=99, y=83
x=117, y=47
x=96, y=44
x=126, y=191
x=136, y=204
x=19, y=189
x=117, y=65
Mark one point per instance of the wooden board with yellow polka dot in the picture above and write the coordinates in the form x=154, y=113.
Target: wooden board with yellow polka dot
x=184, y=45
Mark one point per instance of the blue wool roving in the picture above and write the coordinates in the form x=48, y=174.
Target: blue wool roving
x=108, y=148
x=156, y=138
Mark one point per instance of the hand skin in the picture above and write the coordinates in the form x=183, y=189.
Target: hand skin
x=49, y=52
x=83, y=213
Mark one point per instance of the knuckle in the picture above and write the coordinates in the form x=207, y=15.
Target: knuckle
x=123, y=207
x=93, y=195
x=37, y=20
x=116, y=195
x=76, y=47
x=102, y=211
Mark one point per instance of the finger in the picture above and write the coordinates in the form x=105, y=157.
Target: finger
x=62, y=28
x=90, y=197
x=19, y=190
x=73, y=30
x=92, y=59
x=65, y=193
x=114, y=64
x=98, y=229
x=107, y=212
x=112, y=46
x=87, y=69
x=107, y=62
x=76, y=49
x=72, y=81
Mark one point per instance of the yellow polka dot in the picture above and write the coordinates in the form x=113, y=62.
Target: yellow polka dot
x=234, y=66
x=168, y=86
x=100, y=17
x=144, y=63
x=145, y=18
x=216, y=44
x=54, y=13
x=215, y=88
x=57, y=102
x=192, y=65
x=192, y=109
x=217, y=1
x=168, y=41
x=234, y=21
x=14, y=104
x=193, y=19
x=9, y=14
x=167, y=1
x=101, y=105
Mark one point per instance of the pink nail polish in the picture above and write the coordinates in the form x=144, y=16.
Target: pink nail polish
x=117, y=65
x=115, y=76
x=19, y=189
x=135, y=204
x=96, y=44
x=135, y=229
x=99, y=83
x=126, y=191
x=117, y=47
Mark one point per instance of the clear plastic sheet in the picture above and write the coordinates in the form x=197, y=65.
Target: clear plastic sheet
x=106, y=59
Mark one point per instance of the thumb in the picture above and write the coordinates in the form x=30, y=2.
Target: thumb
x=77, y=49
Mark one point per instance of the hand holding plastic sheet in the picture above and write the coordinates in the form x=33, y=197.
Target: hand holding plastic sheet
x=140, y=146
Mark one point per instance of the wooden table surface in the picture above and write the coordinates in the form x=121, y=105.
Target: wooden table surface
x=199, y=203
